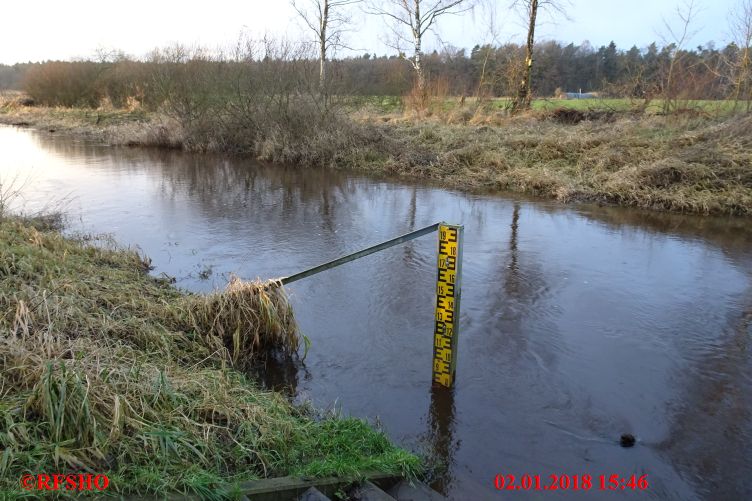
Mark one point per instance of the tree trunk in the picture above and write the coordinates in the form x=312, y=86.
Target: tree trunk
x=418, y=56
x=668, y=93
x=322, y=46
x=525, y=93
x=482, y=81
x=418, y=64
x=746, y=78
x=322, y=69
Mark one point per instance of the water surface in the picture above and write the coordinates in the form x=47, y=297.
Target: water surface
x=578, y=323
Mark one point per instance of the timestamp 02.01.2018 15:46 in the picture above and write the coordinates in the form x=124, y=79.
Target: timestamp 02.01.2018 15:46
x=615, y=482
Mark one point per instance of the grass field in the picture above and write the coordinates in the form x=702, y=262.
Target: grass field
x=654, y=106
x=395, y=104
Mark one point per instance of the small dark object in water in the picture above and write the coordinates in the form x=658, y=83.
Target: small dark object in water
x=627, y=440
x=52, y=130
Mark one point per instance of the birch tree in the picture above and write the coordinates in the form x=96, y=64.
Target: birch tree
x=329, y=20
x=410, y=20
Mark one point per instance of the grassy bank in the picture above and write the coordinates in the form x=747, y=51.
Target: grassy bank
x=106, y=369
x=693, y=162
x=693, y=165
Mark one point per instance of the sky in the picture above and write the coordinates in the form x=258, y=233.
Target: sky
x=35, y=30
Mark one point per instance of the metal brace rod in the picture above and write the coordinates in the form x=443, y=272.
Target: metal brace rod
x=362, y=253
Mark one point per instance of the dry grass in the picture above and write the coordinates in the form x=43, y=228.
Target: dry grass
x=248, y=317
x=692, y=163
x=683, y=164
x=106, y=369
x=13, y=98
x=128, y=127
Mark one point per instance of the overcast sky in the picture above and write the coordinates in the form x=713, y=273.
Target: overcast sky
x=64, y=29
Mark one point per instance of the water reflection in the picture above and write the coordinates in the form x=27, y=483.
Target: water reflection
x=279, y=374
x=441, y=435
x=512, y=281
x=717, y=406
x=729, y=234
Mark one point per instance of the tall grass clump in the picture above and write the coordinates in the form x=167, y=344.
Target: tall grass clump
x=248, y=318
x=105, y=369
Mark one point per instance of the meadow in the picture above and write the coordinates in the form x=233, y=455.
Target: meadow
x=395, y=104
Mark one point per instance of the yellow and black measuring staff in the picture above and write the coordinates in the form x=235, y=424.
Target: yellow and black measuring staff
x=448, y=290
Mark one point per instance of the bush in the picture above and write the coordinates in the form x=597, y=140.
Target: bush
x=264, y=101
x=64, y=84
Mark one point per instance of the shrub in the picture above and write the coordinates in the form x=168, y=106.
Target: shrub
x=64, y=84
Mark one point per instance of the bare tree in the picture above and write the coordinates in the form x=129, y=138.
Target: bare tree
x=531, y=7
x=329, y=20
x=741, y=65
x=676, y=39
x=416, y=17
x=485, y=81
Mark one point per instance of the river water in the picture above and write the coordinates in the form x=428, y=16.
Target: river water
x=579, y=323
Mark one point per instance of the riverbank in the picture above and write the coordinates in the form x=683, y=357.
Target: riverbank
x=692, y=163
x=111, y=371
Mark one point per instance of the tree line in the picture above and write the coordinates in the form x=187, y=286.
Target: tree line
x=670, y=71
x=704, y=72
x=700, y=73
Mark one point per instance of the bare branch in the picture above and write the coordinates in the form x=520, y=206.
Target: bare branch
x=416, y=17
x=329, y=21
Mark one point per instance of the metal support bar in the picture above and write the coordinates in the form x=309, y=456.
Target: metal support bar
x=365, y=252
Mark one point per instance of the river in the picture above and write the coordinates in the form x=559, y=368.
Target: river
x=579, y=323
